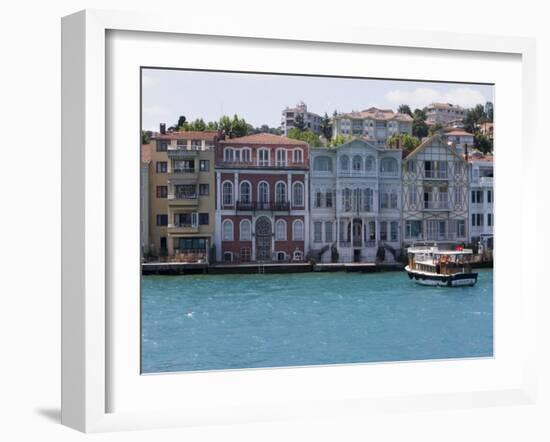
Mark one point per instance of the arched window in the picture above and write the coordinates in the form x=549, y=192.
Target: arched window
x=263, y=157
x=298, y=156
x=246, y=155
x=298, y=194
x=227, y=230
x=346, y=200
x=368, y=200
x=281, y=157
x=388, y=166
x=245, y=233
x=228, y=257
x=263, y=192
x=298, y=230
x=344, y=163
x=369, y=164
x=244, y=194
x=280, y=192
x=357, y=163
x=322, y=164
x=227, y=193
x=280, y=230
x=228, y=154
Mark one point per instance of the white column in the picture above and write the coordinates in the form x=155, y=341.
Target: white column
x=289, y=187
x=236, y=189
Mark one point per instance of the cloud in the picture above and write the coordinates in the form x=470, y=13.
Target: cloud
x=154, y=110
x=147, y=81
x=422, y=96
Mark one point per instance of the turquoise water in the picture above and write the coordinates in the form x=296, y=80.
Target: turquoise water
x=207, y=322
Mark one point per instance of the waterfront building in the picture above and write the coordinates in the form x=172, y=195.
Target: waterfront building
x=486, y=129
x=482, y=217
x=262, y=211
x=444, y=113
x=181, y=197
x=288, y=117
x=435, y=195
x=355, y=202
x=144, y=198
x=373, y=124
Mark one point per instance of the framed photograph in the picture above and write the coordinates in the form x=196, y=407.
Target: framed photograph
x=271, y=223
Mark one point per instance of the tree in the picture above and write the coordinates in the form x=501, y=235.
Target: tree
x=181, y=121
x=489, y=111
x=326, y=127
x=474, y=117
x=339, y=140
x=419, y=127
x=406, y=142
x=483, y=143
x=212, y=125
x=146, y=136
x=303, y=135
x=435, y=128
x=198, y=125
x=405, y=109
x=299, y=122
x=239, y=128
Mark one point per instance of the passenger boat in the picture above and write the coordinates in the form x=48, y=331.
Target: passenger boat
x=445, y=268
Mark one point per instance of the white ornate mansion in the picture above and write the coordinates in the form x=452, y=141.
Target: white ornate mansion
x=355, y=202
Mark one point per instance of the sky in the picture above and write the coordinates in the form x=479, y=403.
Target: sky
x=260, y=98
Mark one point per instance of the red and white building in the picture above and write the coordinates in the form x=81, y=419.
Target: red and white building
x=262, y=211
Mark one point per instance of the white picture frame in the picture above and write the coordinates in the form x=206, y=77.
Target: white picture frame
x=86, y=213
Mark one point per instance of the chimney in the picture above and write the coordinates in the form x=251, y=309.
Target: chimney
x=163, y=128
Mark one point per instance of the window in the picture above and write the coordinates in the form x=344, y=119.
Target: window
x=298, y=194
x=227, y=193
x=346, y=200
x=383, y=230
x=322, y=164
x=245, y=233
x=204, y=219
x=228, y=155
x=280, y=230
x=413, y=229
x=204, y=165
x=410, y=166
x=461, y=228
x=317, y=231
x=162, y=166
x=246, y=155
x=298, y=230
x=190, y=244
x=298, y=156
x=328, y=231
x=263, y=192
x=329, y=198
x=318, y=202
x=204, y=189
x=477, y=196
x=344, y=163
x=281, y=256
x=227, y=230
x=281, y=157
x=393, y=231
x=388, y=166
x=228, y=256
x=245, y=196
x=393, y=199
x=162, y=145
x=245, y=254
x=184, y=166
x=280, y=192
x=368, y=200
x=369, y=164
x=384, y=199
x=162, y=191
x=372, y=231
x=490, y=219
x=185, y=191
x=162, y=220
x=263, y=157
x=185, y=219
x=490, y=196
x=477, y=219
x=357, y=163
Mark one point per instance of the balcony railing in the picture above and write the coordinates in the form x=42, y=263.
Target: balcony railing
x=436, y=205
x=273, y=206
x=182, y=170
x=182, y=196
x=267, y=164
x=435, y=174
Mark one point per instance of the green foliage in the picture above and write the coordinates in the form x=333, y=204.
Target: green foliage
x=483, y=143
x=406, y=142
x=474, y=117
x=326, y=127
x=435, y=128
x=339, y=140
x=303, y=135
x=419, y=127
x=264, y=128
x=299, y=122
x=405, y=109
x=145, y=137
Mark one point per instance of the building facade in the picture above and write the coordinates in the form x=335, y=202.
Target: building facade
x=181, y=197
x=262, y=209
x=435, y=195
x=373, y=124
x=444, y=113
x=288, y=117
x=459, y=139
x=355, y=202
x=482, y=216
x=144, y=198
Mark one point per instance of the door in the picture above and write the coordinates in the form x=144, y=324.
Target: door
x=264, y=236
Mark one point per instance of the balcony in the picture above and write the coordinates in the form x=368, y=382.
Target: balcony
x=437, y=205
x=435, y=175
x=183, y=199
x=183, y=174
x=182, y=152
x=182, y=228
x=259, y=206
x=272, y=164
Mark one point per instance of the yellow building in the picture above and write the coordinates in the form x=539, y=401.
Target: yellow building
x=181, y=195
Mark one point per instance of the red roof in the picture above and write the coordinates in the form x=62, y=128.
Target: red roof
x=146, y=153
x=187, y=135
x=264, y=139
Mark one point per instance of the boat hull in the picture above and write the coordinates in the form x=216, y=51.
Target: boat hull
x=456, y=280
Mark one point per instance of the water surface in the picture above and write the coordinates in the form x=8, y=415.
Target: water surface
x=206, y=322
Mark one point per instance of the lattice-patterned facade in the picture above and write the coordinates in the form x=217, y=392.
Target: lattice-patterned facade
x=435, y=195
